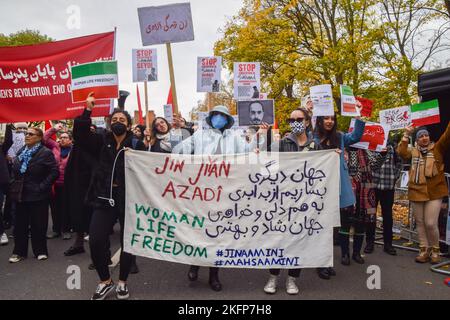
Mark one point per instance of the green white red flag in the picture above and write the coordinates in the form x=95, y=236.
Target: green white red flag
x=98, y=77
x=425, y=113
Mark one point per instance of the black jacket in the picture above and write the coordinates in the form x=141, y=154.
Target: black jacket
x=289, y=144
x=4, y=172
x=42, y=172
x=103, y=148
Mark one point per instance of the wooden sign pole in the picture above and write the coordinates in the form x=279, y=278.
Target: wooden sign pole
x=172, y=78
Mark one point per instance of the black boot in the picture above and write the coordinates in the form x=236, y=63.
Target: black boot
x=357, y=245
x=323, y=273
x=214, y=282
x=370, y=248
x=331, y=271
x=193, y=273
x=134, y=268
x=344, y=240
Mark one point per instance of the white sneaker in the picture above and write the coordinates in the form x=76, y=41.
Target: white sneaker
x=15, y=258
x=4, y=240
x=291, y=287
x=86, y=238
x=42, y=257
x=271, y=285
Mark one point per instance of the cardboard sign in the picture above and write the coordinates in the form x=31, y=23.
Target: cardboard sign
x=168, y=113
x=322, y=99
x=348, y=102
x=145, y=65
x=209, y=71
x=374, y=138
x=166, y=24
x=247, y=80
x=397, y=118
x=255, y=112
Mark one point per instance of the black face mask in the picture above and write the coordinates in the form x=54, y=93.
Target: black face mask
x=119, y=128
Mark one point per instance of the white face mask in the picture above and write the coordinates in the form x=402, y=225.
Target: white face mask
x=298, y=128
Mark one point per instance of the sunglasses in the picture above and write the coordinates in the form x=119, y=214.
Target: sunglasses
x=30, y=134
x=291, y=120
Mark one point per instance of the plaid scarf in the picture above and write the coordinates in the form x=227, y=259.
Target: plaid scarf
x=26, y=155
x=423, y=165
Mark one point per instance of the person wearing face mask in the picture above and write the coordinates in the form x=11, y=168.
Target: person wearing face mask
x=108, y=204
x=215, y=141
x=297, y=141
x=427, y=187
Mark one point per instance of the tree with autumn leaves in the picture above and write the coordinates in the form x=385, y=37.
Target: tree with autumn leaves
x=376, y=47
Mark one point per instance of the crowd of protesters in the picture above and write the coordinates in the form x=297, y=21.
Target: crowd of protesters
x=80, y=176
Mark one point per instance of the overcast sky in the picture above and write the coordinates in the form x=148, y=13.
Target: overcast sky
x=50, y=18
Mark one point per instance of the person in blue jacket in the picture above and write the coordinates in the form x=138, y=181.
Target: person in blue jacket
x=327, y=135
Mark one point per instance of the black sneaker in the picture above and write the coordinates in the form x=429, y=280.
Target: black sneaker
x=122, y=291
x=102, y=291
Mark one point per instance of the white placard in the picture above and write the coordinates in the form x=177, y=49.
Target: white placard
x=145, y=65
x=348, y=102
x=322, y=99
x=397, y=118
x=209, y=71
x=247, y=80
x=168, y=113
x=166, y=24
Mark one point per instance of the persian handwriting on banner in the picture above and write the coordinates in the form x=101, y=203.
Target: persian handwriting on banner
x=209, y=210
x=39, y=72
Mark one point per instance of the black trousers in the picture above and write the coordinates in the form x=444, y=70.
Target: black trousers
x=34, y=216
x=102, y=222
x=386, y=198
x=291, y=272
x=60, y=215
x=2, y=228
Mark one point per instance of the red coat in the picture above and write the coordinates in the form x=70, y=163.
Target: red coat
x=56, y=149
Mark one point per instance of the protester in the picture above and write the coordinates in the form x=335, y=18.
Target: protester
x=61, y=151
x=327, y=135
x=107, y=193
x=138, y=132
x=361, y=165
x=427, y=187
x=158, y=138
x=297, y=141
x=4, y=180
x=34, y=172
x=215, y=141
x=384, y=180
x=17, y=140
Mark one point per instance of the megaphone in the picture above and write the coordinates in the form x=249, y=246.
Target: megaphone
x=123, y=95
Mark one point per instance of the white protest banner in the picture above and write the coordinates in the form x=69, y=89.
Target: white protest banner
x=209, y=71
x=168, y=113
x=241, y=211
x=145, y=65
x=397, y=118
x=374, y=138
x=322, y=98
x=166, y=24
x=348, y=102
x=247, y=80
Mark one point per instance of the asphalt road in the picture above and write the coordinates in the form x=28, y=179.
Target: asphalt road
x=401, y=278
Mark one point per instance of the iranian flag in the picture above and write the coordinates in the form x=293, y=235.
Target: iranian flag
x=426, y=113
x=98, y=77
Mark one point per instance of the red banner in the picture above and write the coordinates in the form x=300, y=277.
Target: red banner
x=35, y=80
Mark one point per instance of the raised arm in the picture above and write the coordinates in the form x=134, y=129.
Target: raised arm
x=356, y=135
x=48, y=141
x=403, y=150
